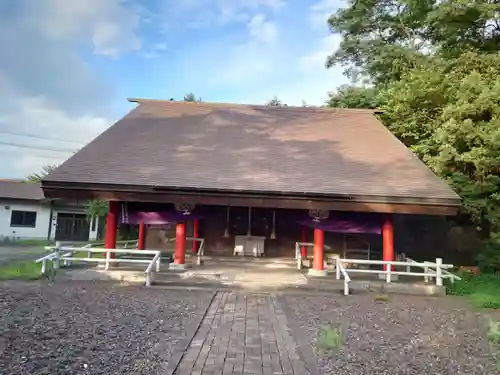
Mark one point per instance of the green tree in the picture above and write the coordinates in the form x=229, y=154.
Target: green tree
x=348, y=96
x=449, y=114
x=93, y=208
x=96, y=208
x=191, y=97
x=381, y=39
x=275, y=102
x=37, y=177
x=433, y=66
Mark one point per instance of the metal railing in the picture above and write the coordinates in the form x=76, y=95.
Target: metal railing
x=436, y=270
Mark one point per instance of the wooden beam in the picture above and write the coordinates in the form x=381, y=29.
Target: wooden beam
x=242, y=201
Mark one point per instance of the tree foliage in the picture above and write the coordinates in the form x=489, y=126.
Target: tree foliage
x=382, y=39
x=433, y=67
x=96, y=208
x=449, y=115
x=93, y=208
x=37, y=177
x=191, y=97
x=275, y=102
x=354, y=97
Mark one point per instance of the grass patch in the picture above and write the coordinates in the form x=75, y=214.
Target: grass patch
x=23, y=270
x=382, y=298
x=494, y=332
x=482, y=290
x=330, y=338
x=493, y=335
x=30, y=242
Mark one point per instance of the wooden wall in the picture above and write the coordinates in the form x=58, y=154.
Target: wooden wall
x=419, y=236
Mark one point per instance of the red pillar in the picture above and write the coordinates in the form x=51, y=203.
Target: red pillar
x=111, y=226
x=180, y=243
x=388, y=239
x=141, y=245
x=196, y=225
x=303, y=249
x=319, y=240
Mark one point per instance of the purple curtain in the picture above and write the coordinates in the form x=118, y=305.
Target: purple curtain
x=153, y=217
x=346, y=223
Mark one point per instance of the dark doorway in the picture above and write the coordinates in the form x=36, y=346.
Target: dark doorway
x=72, y=227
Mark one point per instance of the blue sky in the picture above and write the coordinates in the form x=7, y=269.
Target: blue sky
x=70, y=65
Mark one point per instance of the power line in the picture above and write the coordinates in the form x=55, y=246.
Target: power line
x=40, y=137
x=37, y=147
x=61, y=157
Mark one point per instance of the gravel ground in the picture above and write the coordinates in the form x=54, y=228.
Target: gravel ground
x=405, y=335
x=92, y=328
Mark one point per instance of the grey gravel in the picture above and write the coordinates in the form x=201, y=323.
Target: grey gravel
x=406, y=335
x=92, y=328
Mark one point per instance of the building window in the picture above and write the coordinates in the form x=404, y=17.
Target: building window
x=23, y=219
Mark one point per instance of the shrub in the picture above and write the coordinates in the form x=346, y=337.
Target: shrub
x=481, y=289
x=488, y=257
x=330, y=338
x=382, y=298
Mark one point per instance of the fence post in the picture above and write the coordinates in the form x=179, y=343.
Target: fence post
x=56, y=261
x=44, y=266
x=388, y=273
x=346, y=288
x=337, y=268
x=108, y=256
x=158, y=264
x=439, y=279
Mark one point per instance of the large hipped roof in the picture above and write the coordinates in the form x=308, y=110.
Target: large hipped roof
x=228, y=147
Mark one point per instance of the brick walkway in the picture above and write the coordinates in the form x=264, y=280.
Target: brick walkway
x=243, y=334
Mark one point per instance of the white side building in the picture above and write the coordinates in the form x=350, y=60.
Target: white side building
x=26, y=214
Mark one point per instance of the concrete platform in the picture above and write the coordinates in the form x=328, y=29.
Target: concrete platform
x=255, y=274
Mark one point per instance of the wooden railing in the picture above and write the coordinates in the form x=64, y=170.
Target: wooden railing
x=436, y=270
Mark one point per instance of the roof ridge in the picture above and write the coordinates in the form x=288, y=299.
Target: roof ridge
x=263, y=106
x=19, y=181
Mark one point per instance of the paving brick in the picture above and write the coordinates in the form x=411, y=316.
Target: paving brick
x=243, y=334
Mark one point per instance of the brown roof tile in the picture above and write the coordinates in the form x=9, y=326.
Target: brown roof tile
x=15, y=189
x=253, y=148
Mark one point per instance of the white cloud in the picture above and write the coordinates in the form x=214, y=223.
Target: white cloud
x=304, y=77
x=108, y=24
x=315, y=59
x=46, y=88
x=36, y=116
x=206, y=13
x=262, y=30
x=322, y=10
x=250, y=61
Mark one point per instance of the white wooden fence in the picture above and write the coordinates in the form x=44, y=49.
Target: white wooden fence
x=436, y=270
x=431, y=270
x=66, y=254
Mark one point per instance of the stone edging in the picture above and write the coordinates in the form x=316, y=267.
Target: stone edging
x=306, y=353
x=180, y=349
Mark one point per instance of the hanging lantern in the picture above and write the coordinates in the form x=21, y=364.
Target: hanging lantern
x=318, y=215
x=273, y=232
x=185, y=208
x=249, y=230
x=226, y=232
